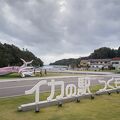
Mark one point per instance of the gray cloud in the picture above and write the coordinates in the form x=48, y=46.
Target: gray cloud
x=53, y=29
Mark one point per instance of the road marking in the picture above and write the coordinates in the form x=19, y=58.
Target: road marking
x=35, y=78
x=36, y=83
x=32, y=85
x=16, y=87
x=50, y=77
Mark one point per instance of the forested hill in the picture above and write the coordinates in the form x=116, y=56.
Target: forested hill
x=101, y=53
x=66, y=62
x=104, y=53
x=10, y=56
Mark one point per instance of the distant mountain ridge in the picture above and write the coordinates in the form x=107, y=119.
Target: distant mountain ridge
x=101, y=53
x=66, y=62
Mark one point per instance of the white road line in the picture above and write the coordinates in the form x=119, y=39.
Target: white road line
x=26, y=95
x=35, y=78
x=36, y=83
x=16, y=87
x=32, y=85
x=41, y=78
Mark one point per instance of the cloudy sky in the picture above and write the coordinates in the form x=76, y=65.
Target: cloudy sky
x=56, y=29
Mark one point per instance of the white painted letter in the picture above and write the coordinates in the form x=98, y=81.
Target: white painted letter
x=53, y=84
x=117, y=82
x=106, y=85
x=70, y=90
x=83, y=86
x=36, y=89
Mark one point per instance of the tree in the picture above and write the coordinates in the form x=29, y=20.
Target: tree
x=10, y=56
x=118, y=53
x=103, y=53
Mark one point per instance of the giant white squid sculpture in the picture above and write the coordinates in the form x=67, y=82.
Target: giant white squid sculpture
x=23, y=70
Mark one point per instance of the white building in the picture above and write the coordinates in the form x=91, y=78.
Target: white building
x=116, y=63
x=97, y=64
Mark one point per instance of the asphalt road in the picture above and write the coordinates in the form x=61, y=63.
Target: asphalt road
x=17, y=87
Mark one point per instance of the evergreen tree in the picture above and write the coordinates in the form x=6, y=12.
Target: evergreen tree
x=10, y=56
x=118, y=54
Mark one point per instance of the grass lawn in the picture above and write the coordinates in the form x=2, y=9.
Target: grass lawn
x=10, y=76
x=103, y=107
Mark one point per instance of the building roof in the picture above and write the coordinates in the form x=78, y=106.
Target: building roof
x=99, y=60
x=116, y=58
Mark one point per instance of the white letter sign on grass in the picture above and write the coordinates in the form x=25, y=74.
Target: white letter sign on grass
x=83, y=86
x=36, y=89
x=71, y=90
x=68, y=92
x=107, y=86
x=117, y=82
x=54, y=83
